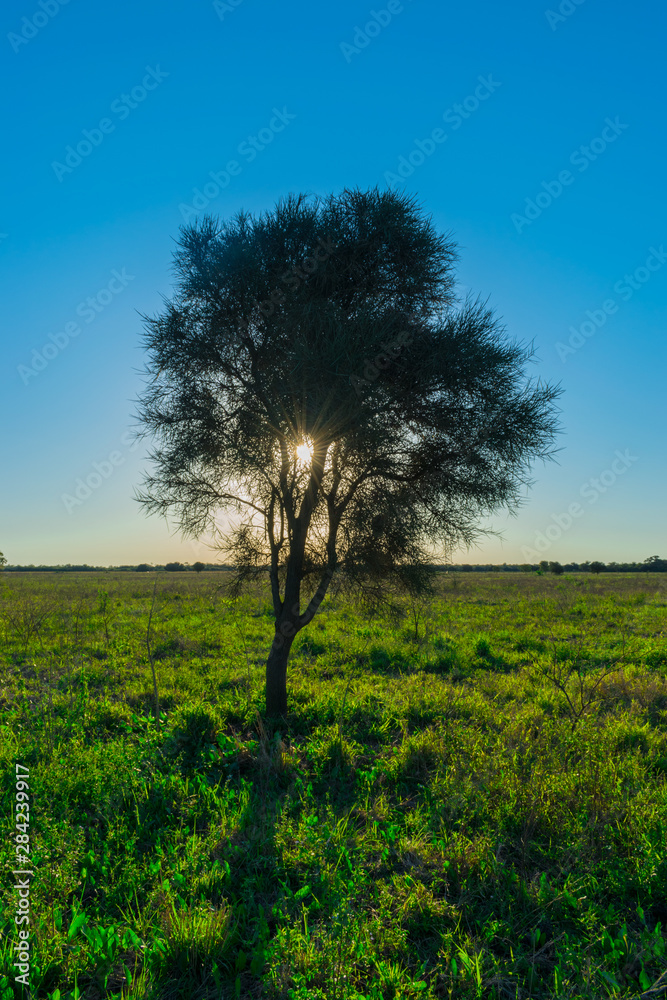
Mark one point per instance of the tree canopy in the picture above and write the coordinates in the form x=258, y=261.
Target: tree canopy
x=316, y=378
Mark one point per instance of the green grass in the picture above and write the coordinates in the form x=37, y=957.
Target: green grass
x=469, y=799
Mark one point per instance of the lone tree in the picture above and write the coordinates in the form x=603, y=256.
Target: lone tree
x=315, y=379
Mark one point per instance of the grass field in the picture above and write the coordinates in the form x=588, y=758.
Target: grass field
x=469, y=799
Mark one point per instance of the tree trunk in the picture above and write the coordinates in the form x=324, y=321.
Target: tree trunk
x=276, y=675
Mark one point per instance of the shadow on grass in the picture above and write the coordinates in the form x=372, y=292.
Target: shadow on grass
x=390, y=663
x=216, y=944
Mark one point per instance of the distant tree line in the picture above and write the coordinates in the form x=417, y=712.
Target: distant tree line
x=141, y=568
x=654, y=564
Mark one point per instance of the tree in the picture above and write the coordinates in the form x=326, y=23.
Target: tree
x=596, y=567
x=543, y=566
x=315, y=379
x=143, y=568
x=654, y=564
x=556, y=568
x=174, y=567
x=198, y=567
x=3, y=562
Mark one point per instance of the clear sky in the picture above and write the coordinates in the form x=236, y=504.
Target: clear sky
x=547, y=164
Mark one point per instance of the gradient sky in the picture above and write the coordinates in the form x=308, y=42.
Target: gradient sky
x=360, y=101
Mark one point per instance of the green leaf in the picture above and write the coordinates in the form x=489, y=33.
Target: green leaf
x=78, y=921
x=465, y=958
x=257, y=963
x=610, y=979
x=130, y=939
x=215, y=972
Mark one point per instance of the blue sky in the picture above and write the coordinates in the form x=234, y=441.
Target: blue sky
x=535, y=134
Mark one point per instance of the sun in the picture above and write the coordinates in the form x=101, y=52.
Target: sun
x=304, y=453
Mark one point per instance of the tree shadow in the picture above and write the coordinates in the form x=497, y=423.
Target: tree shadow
x=209, y=956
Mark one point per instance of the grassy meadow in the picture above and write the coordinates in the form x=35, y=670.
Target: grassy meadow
x=469, y=799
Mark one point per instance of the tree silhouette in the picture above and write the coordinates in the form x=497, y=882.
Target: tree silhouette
x=596, y=567
x=315, y=379
x=654, y=564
